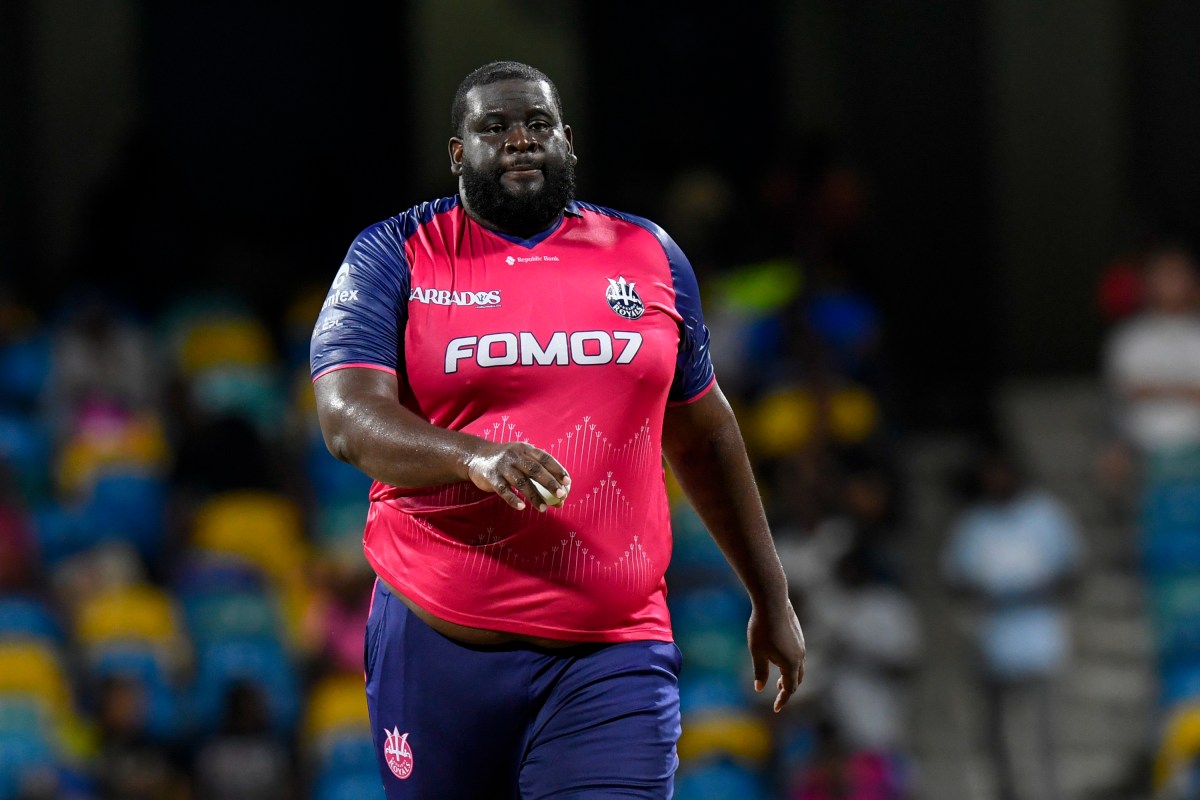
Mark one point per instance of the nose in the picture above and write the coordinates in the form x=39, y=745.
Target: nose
x=519, y=140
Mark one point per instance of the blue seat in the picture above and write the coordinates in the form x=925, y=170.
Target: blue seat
x=144, y=664
x=227, y=615
x=720, y=780
x=128, y=505
x=1171, y=505
x=198, y=573
x=23, y=616
x=352, y=786
x=710, y=691
x=59, y=532
x=1179, y=681
x=26, y=447
x=330, y=480
x=21, y=755
x=25, y=365
x=264, y=662
x=346, y=754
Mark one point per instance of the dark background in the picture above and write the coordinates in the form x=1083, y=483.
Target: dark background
x=1010, y=149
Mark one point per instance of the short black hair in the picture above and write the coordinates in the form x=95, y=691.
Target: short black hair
x=494, y=72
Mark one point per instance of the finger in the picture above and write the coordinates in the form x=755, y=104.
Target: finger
x=547, y=490
x=762, y=670
x=523, y=484
x=556, y=470
x=789, y=681
x=511, y=497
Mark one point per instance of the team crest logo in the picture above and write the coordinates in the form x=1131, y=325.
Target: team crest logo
x=398, y=754
x=623, y=298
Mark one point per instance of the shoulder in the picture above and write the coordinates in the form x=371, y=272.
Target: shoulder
x=637, y=229
x=403, y=225
x=596, y=213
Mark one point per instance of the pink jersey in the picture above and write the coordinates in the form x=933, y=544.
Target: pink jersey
x=574, y=341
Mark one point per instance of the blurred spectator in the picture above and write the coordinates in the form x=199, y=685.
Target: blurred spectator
x=1119, y=291
x=875, y=636
x=1152, y=359
x=337, y=618
x=1012, y=553
x=838, y=772
x=130, y=764
x=102, y=355
x=245, y=759
x=18, y=560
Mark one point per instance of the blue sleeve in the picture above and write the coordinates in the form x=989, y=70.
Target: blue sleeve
x=362, y=319
x=693, y=366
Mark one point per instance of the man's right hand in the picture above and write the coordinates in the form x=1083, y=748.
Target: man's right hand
x=507, y=469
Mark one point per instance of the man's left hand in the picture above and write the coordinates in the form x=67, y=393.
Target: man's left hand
x=774, y=637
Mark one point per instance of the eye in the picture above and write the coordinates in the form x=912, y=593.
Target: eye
x=494, y=128
x=539, y=125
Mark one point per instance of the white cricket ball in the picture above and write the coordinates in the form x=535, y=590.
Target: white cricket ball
x=548, y=497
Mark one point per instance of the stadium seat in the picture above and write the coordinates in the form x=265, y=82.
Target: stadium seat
x=20, y=757
x=139, y=613
x=25, y=365
x=739, y=735
x=155, y=672
x=354, y=786
x=254, y=393
x=1175, y=616
x=27, y=617
x=110, y=440
x=710, y=692
x=263, y=527
x=26, y=450
x=331, y=481
x=240, y=341
x=1178, y=747
x=720, y=780
x=201, y=571
x=224, y=615
x=336, y=707
x=35, y=670
x=221, y=664
x=128, y=505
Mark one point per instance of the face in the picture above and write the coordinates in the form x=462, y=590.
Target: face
x=1171, y=282
x=514, y=160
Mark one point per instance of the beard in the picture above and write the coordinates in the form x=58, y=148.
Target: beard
x=528, y=212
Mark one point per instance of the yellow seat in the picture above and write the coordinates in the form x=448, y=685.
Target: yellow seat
x=1179, y=746
x=34, y=669
x=230, y=341
x=140, y=442
x=265, y=530
x=336, y=703
x=740, y=735
x=142, y=612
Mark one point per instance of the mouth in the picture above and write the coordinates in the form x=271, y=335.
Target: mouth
x=524, y=168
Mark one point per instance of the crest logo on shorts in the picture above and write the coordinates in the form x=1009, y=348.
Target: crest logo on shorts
x=398, y=754
x=623, y=298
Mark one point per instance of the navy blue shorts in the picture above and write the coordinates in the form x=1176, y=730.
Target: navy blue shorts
x=516, y=721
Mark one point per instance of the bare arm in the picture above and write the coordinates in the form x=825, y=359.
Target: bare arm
x=704, y=446
x=364, y=424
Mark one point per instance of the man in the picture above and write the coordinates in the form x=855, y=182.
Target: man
x=471, y=349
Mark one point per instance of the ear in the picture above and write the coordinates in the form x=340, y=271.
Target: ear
x=570, y=137
x=456, y=154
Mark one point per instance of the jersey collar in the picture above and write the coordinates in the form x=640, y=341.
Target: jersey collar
x=571, y=210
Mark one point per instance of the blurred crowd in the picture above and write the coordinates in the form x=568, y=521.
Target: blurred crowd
x=1150, y=471
x=182, y=589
